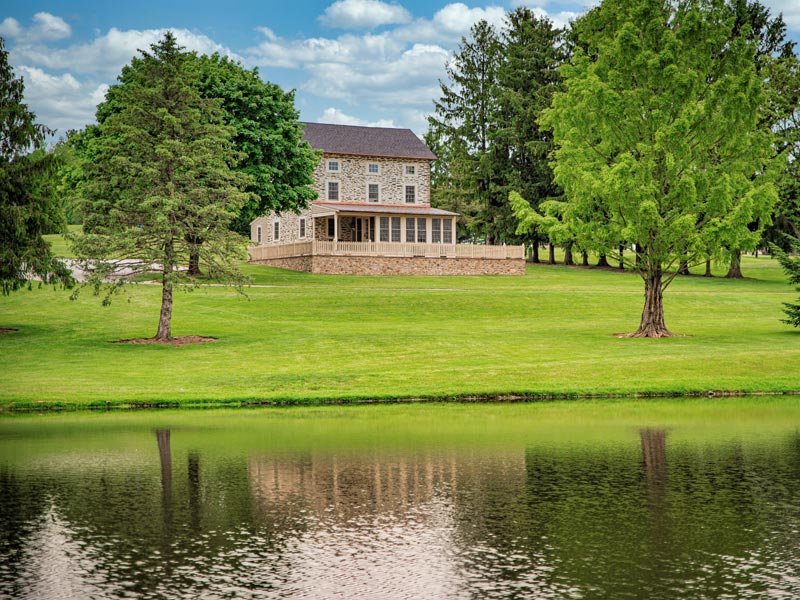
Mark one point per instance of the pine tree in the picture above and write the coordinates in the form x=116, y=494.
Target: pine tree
x=160, y=173
x=527, y=78
x=26, y=203
x=463, y=120
x=791, y=266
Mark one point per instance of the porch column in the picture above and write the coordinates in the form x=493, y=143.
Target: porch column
x=453, y=229
x=335, y=227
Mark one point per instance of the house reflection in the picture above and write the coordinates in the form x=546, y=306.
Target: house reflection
x=349, y=486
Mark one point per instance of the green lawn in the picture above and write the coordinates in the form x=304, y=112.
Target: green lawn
x=313, y=337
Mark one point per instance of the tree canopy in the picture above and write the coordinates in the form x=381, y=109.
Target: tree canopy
x=26, y=202
x=659, y=141
x=160, y=174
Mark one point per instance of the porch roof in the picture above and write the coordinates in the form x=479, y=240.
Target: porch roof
x=326, y=209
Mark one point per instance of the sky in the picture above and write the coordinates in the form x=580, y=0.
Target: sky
x=356, y=62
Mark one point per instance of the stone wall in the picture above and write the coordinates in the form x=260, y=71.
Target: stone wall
x=289, y=228
x=294, y=263
x=353, y=177
x=375, y=265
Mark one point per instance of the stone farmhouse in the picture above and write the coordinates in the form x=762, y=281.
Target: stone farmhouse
x=373, y=213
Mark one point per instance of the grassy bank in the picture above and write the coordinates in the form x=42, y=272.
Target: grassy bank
x=309, y=337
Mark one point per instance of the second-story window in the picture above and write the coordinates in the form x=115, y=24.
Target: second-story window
x=373, y=192
x=333, y=190
x=411, y=194
x=276, y=231
x=302, y=227
x=333, y=166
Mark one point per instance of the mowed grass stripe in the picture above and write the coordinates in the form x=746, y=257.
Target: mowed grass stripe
x=309, y=337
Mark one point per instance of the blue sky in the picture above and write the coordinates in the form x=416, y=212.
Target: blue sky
x=351, y=61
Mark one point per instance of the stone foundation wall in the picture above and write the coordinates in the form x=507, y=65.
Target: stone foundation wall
x=379, y=265
x=293, y=263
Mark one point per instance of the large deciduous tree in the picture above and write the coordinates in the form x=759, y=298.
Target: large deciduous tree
x=659, y=140
x=26, y=202
x=160, y=173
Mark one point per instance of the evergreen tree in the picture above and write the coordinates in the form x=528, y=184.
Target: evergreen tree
x=527, y=78
x=791, y=266
x=266, y=133
x=27, y=209
x=160, y=173
x=463, y=120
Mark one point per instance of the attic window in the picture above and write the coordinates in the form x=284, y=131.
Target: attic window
x=333, y=166
x=373, y=168
x=409, y=170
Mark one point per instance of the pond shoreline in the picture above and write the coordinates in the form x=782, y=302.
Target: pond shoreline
x=28, y=407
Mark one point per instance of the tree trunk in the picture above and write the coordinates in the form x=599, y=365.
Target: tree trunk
x=164, y=333
x=536, y=251
x=551, y=253
x=735, y=270
x=568, y=255
x=585, y=258
x=194, y=261
x=194, y=255
x=621, y=252
x=708, y=268
x=683, y=268
x=652, y=324
x=602, y=261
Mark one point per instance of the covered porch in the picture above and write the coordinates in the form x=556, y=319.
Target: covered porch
x=390, y=224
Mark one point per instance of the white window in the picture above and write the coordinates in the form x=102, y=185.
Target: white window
x=276, y=231
x=373, y=168
x=411, y=194
x=409, y=170
x=384, y=229
x=302, y=227
x=436, y=231
x=395, y=229
x=373, y=192
x=258, y=233
x=422, y=229
x=333, y=190
x=447, y=231
x=410, y=237
x=333, y=166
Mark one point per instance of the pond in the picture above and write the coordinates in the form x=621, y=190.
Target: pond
x=652, y=499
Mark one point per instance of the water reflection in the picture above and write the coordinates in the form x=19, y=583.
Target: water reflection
x=644, y=515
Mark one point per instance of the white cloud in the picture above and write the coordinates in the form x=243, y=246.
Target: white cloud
x=60, y=101
x=407, y=80
x=790, y=10
x=106, y=55
x=49, y=27
x=10, y=28
x=363, y=14
x=45, y=28
x=336, y=116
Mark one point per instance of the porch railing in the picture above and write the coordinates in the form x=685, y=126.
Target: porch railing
x=390, y=249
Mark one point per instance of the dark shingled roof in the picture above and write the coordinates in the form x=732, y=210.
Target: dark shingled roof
x=366, y=141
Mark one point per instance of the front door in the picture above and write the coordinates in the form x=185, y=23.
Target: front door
x=363, y=229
